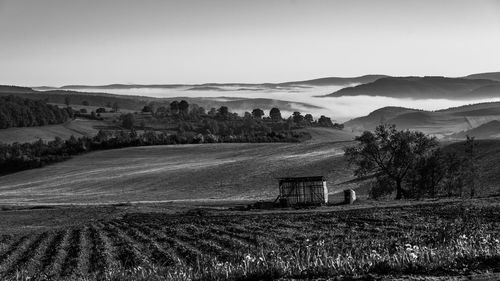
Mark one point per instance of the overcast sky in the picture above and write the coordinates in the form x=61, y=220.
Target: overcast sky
x=57, y=42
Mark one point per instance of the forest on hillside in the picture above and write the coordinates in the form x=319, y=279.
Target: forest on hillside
x=156, y=124
x=22, y=112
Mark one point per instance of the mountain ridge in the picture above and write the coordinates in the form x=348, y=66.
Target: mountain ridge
x=322, y=81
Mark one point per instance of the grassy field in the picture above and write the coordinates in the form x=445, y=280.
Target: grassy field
x=451, y=238
x=77, y=128
x=182, y=172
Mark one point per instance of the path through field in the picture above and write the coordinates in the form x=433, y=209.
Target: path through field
x=182, y=172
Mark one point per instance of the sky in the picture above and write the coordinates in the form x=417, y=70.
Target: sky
x=96, y=42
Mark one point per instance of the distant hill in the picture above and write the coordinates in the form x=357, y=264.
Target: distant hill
x=424, y=88
x=22, y=112
x=489, y=75
x=136, y=103
x=377, y=117
x=100, y=99
x=325, y=81
x=14, y=89
x=490, y=130
x=113, y=86
x=442, y=123
x=215, y=86
x=337, y=80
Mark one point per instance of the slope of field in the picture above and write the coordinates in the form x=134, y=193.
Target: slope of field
x=77, y=128
x=424, y=88
x=183, y=172
x=490, y=130
x=458, y=237
x=377, y=117
x=441, y=123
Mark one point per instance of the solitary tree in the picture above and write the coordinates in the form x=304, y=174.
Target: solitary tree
x=257, y=113
x=389, y=152
x=275, y=114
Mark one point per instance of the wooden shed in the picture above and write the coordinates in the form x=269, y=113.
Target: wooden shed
x=302, y=191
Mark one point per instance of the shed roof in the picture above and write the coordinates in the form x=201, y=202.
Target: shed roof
x=302, y=179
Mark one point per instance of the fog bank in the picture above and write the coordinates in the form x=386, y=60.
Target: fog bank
x=338, y=108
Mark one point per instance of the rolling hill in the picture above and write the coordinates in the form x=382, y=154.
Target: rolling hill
x=490, y=130
x=58, y=97
x=229, y=171
x=336, y=80
x=441, y=123
x=77, y=128
x=488, y=75
x=424, y=88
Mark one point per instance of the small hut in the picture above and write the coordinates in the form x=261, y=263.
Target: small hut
x=302, y=191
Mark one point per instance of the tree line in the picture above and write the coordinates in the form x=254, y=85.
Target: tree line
x=184, y=111
x=192, y=124
x=412, y=164
x=21, y=112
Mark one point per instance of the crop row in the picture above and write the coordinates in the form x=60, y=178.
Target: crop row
x=160, y=241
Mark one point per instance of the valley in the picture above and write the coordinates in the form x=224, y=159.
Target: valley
x=249, y=140
x=182, y=210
